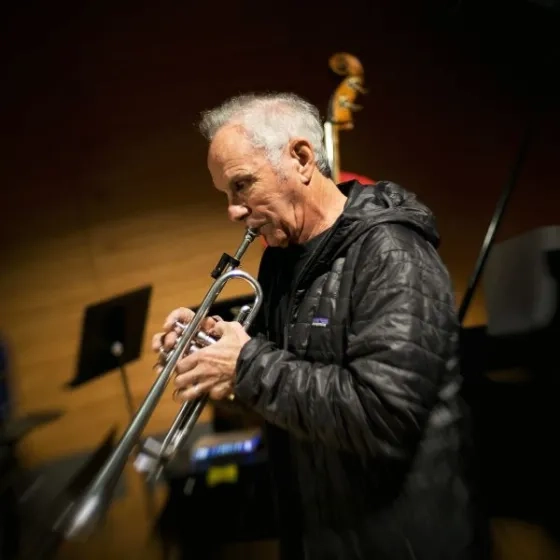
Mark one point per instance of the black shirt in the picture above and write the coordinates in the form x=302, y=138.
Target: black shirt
x=289, y=262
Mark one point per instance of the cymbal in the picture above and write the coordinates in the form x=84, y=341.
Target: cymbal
x=16, y=429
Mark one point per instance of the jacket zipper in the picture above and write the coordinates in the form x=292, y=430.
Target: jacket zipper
x=302, y=273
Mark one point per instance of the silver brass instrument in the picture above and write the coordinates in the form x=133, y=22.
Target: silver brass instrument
x=83, y=516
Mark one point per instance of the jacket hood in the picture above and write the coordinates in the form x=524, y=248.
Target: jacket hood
x=385, y=202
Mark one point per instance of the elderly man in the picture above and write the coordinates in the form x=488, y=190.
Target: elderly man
x=353, y=362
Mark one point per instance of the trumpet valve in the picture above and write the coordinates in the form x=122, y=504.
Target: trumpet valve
x=201, y=337
x=204, y=339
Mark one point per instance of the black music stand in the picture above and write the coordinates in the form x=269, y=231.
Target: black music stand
x=112, y=336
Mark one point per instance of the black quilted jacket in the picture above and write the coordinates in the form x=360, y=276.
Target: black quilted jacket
x=366, y=425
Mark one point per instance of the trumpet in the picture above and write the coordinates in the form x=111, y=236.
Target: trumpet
x=83, y=516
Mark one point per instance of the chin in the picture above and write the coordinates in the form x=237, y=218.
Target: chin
x=276, y=240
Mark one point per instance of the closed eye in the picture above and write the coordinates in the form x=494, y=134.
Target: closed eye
x=240, y=183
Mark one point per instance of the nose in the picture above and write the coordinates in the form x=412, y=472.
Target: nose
x=237, y=212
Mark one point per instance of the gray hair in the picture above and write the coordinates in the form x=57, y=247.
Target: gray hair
x=270, y=121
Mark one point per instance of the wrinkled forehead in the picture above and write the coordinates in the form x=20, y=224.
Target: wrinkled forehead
x=229, y=144
x=231, y=153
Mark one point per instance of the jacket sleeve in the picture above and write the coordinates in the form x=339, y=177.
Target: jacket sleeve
x=400, y=329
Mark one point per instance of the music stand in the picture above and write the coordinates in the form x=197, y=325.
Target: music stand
x=112, y=336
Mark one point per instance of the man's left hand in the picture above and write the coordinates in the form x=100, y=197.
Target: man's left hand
x=212, y=369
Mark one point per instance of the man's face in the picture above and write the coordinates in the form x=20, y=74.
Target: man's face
x=257, y=195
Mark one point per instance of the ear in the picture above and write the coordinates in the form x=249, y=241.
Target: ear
x=303, y=156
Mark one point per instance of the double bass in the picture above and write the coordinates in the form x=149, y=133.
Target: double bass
x=342, y=106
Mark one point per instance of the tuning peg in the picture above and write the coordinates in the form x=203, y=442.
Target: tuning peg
x=348, y=105
x=355, y=83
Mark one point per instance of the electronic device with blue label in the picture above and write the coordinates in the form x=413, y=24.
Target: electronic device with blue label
x=243, y=446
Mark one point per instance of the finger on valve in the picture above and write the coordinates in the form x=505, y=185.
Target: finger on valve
x=206, y=326
x=181, y=315
x=178, y=320
x=174, y=325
